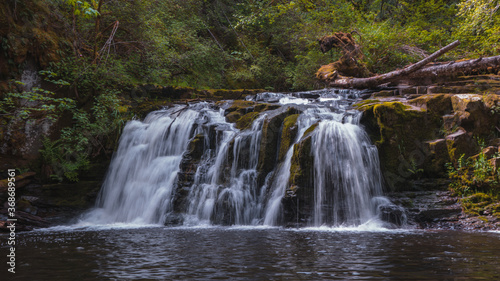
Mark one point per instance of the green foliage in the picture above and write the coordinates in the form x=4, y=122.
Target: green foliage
x=64, y=160
x=414, y=169
x=474, y=174
x=479, y=26
x=25, y=103
x=71, y=153
x=86, y=9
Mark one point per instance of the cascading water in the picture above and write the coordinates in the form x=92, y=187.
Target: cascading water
x=235, y=198
x=140, y=179
x=191, y=164
x=346, y=174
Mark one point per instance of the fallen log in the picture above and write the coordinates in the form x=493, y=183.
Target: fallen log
x=371, y=82
x=455, y=68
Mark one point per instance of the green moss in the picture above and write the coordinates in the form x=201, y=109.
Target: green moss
x=365, y=104
x=243, y=113
x=311, y=129
x=232, y=117
x=301, y=181
x=195, y=148
x=477, y=204
x=288, y=134
x=246, y=120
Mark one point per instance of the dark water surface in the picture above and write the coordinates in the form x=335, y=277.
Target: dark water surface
x=253, y=254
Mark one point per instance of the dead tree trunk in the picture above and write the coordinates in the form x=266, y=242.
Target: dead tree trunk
x=370, y=82
x=455, y=68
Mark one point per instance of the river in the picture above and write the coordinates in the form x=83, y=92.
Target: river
x=254, y=253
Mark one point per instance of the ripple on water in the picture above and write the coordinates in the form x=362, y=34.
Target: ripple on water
x=245, y=253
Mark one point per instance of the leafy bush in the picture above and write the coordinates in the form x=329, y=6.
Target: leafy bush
x=475, y=174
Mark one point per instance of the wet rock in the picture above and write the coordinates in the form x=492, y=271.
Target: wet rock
x=433, y=215
x=288, y=135
x=270, y=141
x=392, y=214
x=189, y=164
x=298, y=203
x=307, y=95
x=243, y=113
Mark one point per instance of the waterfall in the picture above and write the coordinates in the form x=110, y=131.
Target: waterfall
x=346, y=174
x=234, y=199
x=190, y=164
x=138, y=185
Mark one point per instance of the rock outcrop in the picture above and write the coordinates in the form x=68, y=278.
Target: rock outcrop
x=417, y=136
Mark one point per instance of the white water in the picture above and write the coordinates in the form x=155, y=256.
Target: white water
x=141, y=185
x=346, y=174
x=235, y=198
x=140, y=180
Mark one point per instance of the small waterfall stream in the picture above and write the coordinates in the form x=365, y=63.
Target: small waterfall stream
x=188, y=165
x=140, y=180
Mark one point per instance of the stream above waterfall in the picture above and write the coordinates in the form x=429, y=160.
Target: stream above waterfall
x=299, y=159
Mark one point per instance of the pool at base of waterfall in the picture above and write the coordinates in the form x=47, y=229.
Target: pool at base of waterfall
x=124, y=252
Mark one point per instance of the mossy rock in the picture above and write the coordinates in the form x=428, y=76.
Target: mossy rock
x=400, y=132
x=270, y=142
x=438, y=157
x=461, y=143
x=238, y=110
x=243, y=113
x=437, y=104
x=385, y=93
x=147, y=106
x=288, y=135
x=196, y=147
x=301, y=165
x=245, y=122
x=298, y=203
x=223, y=94
x=476, y=204
x=365, y=104
x=311, y=129
x=78, y=195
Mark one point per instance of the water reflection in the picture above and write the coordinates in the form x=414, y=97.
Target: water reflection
x=255, y=254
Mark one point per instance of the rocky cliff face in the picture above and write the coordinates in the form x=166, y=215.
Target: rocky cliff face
x=417, y=135
x=420, y=131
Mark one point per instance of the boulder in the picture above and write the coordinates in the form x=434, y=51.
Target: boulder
x=460, y=143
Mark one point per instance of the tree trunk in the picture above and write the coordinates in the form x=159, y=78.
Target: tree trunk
x=455, y=68
x=97, y=34
x=370, y=82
